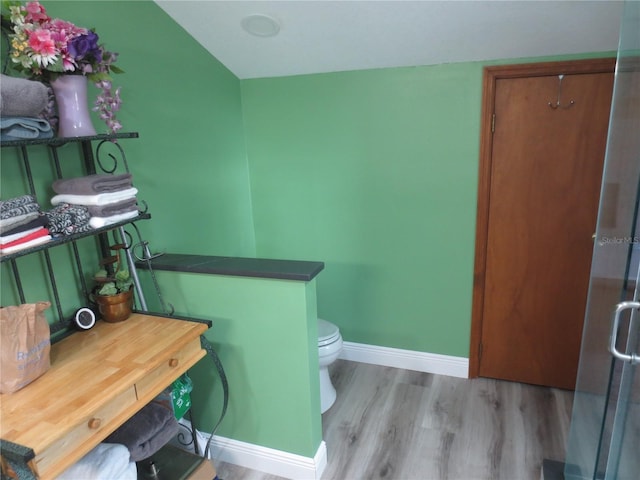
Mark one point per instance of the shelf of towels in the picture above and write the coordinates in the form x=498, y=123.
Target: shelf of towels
x=82, y=206
x=26, y=117
x=23, y=107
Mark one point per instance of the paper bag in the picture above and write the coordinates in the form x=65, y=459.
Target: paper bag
x=24, y=345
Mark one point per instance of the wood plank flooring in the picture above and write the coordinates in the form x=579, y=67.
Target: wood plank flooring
x=396, y=424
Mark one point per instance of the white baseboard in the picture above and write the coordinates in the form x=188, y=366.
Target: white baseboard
x=407, y=359
x=263, y=459
x=268, y=460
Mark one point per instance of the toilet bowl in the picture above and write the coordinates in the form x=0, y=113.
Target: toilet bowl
x=329, y=348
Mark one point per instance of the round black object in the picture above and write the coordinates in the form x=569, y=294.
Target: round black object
x=84, y=318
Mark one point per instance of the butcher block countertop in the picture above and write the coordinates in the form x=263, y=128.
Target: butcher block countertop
x=98, y=379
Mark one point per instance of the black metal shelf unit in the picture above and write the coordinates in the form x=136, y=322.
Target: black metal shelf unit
x=92, y=149
x=95, y=158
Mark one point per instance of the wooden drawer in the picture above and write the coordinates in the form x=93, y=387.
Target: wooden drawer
x=160, y=377
x=81, y=438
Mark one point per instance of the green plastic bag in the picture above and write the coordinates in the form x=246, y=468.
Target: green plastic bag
x=181, y=395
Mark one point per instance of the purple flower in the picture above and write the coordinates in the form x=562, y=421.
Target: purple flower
x=85, y=47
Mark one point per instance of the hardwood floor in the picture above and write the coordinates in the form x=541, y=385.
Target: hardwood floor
x=398, y=424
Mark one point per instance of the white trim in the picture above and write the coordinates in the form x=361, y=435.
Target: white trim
x=268, y=460
x=407, y=359
x=255, y=457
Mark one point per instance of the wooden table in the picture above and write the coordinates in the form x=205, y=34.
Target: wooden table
x=98, y=379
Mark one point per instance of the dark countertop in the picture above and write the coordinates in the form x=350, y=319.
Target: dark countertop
x=236, y=266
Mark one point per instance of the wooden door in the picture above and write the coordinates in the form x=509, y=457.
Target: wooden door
x=537, y=213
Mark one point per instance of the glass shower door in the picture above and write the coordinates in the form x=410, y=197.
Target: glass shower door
x=604, y=437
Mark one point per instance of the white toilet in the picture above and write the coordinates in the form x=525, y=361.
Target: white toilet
x=329, y=348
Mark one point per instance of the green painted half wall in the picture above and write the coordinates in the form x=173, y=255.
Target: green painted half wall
x=265, y=333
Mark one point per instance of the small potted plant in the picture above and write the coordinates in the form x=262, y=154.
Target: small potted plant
x=113, y=293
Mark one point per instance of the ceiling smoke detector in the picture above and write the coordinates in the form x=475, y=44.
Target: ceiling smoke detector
x=261, y=25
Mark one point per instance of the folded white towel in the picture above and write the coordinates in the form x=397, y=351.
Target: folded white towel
x=97, y=222
x=98, y=199
x=107, y=461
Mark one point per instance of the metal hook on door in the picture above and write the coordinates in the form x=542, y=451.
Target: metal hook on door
x=557, y=104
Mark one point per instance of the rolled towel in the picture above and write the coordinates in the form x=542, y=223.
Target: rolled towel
x=24, y=128
x=97, y=199
x=92, y=184
x=148, y=430
x=20, y=97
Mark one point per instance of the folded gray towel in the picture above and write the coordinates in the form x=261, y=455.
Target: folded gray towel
x=20, y=97
x=149, y=429
x=111, y=209
x=24, y=128
x=92, y=184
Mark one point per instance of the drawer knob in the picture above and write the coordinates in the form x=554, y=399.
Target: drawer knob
x=174, y=362
x=94, y=423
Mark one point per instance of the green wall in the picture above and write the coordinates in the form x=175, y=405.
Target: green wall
x=374, y=173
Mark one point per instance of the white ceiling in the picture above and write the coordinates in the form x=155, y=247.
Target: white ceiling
x=337, y=35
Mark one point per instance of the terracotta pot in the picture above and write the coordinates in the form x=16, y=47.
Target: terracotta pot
x=115, y=308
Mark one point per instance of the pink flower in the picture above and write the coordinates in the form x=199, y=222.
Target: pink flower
x=63, y=26
x=68, y=63
x=36, y=13
x=65, y=31
x=43, y=46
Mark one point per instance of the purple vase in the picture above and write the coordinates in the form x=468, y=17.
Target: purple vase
x=74, y=119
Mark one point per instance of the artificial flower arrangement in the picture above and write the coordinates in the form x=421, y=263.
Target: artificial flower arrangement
x=43, y=48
